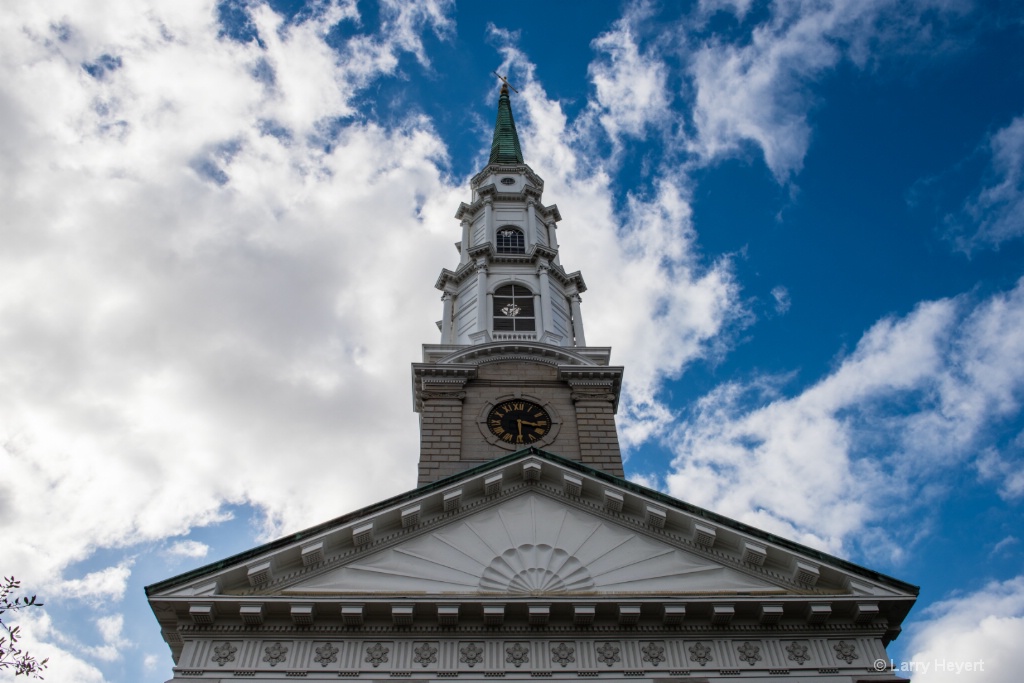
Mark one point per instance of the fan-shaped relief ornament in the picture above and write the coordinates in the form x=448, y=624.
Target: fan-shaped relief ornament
x=700, y=653
x=425, y=654
x=563, y=653
x=845, y=651
x=222, y=654
x=535, y=569
x=749, y=653
x=653, y=653
x=517, y=654
x=274, y=654
x=376, y=655
x=607, y=653
x=797, y=653
x=325, y=654
x=471, y=654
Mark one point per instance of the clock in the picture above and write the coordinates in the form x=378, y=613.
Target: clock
x=518, y=422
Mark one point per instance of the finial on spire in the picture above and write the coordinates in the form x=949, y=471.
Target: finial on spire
x=505, y=85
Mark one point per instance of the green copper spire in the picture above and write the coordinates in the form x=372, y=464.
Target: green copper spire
x=505, y=148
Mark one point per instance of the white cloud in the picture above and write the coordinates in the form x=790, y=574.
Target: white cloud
x=630, y=86
x=96, y=587
x=186, y=548
x=196, y=308
x=796, y=466
x=42, y=640
x=986, y=627
x=757, y=91
x=782, y=301
x=1005, y=543
x=111, y=631
x=674, y=310
x=212, y=273
x=996, y=212
x=1007, y=471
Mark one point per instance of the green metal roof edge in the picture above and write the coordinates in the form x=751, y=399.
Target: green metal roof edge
x=313, y=530
x=565, y=462
x=728, y=521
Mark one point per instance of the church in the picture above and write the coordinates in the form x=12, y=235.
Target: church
x=524, y=553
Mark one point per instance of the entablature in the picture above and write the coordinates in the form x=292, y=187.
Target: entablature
x=498, y=169
x=469, y=211
x=539, y=256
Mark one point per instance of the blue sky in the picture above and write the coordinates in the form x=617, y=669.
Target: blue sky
x=800, y=224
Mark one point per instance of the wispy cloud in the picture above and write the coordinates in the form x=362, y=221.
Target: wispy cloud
x=782, y=301
x=188, y=548
x=817, y=466
x=756, y=92
x=983, y=626
x=182, y=308
x=995, y=212
x=99, y=587
x=631, y=90
x=675, y=309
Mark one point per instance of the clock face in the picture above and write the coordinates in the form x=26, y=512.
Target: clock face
x=518, y=422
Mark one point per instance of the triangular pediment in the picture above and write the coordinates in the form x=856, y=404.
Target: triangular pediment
x=532, y=544
x=531, y=523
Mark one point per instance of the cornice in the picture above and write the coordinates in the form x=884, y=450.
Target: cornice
x=495, y=169
x=489, y=193
x=539, y=352
x=538, y=256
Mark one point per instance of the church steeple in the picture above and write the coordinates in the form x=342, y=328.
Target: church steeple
x=505, y=148
x=513, y=368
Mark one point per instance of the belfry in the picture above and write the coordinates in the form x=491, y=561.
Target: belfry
x=524, y=553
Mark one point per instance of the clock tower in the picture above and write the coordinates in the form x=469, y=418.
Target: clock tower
x=512, y=368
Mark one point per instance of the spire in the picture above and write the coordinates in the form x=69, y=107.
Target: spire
x=505, y=147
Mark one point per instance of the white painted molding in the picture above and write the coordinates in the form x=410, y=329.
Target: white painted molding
x=312, y=554
x=613, y=500
x=583, y=615
x=539, y=614
x=572, y=485
x=410, y=516
x=402, y=614
x=259, y=574
x=252, y=613
x=864, y=612
x=770, y=614
x=202, y=613
x=492, y=484
x=673, y=614
x=629, y=615
x=352, y=614
x=302, y=614
x=806, y=573
x=494, y=615
x=656, y=516
x=362, y=534
x=531, y=471
x=722, y=614
x=448, y=615
x=452, y=500
x=818, y=613
x=754, y=553
x=704, y=535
